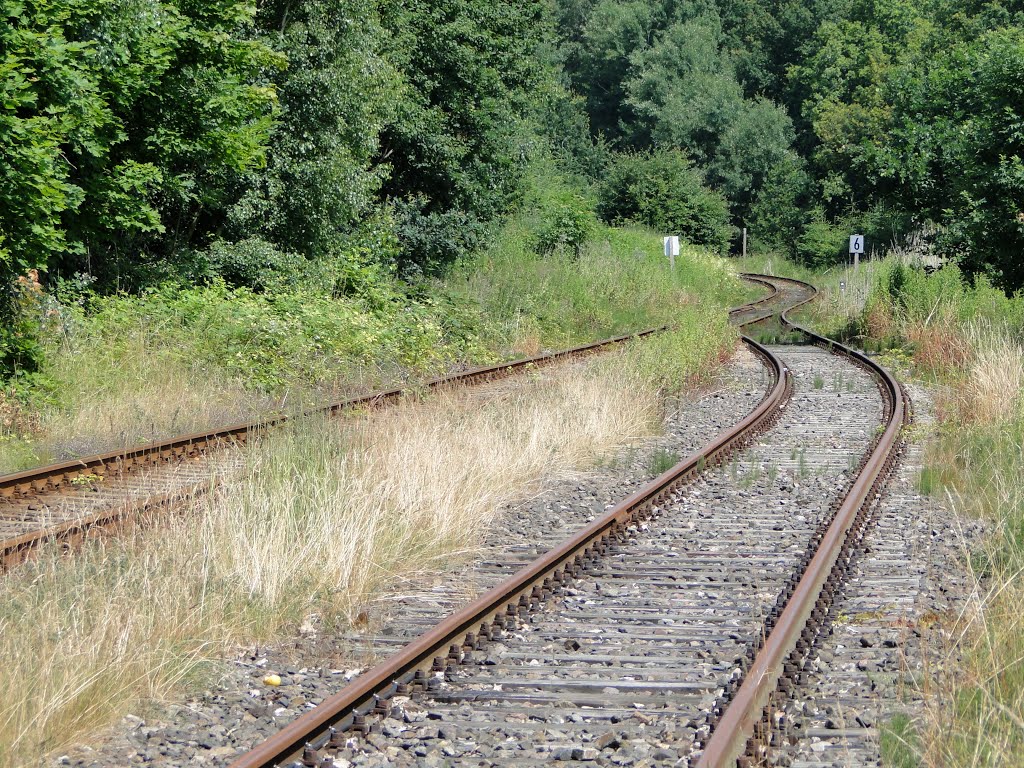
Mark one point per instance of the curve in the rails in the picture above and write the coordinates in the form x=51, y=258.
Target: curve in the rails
x=778, y=662
x=64, y=502
x=488, y=616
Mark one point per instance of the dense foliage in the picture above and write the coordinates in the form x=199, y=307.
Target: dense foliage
x=185, y=141
x=816, y=119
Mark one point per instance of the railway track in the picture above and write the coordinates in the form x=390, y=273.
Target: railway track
x=64, y=503
x=669, y=630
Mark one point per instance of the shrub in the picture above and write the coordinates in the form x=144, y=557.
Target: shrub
x=26, y=314
x=567, y=225
x=822, y=243
x=430, y=241
x=254, y=263
x=661, y=189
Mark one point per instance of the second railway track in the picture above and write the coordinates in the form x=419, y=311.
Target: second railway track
x=66, y=502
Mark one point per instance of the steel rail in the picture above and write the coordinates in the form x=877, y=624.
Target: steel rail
x=54, y=476
x=770, y=296
x=795, y=629
x=410, y=666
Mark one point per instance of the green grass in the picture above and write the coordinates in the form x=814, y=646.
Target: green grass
x=899, y=743
x=619, y=283
x=662, y=460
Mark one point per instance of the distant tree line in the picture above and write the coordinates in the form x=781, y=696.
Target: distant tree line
x=815, y=117
x=151, y=140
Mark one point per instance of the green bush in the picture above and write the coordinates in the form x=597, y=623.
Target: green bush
x=254, y=263
x=270, y=341
x=27, y=316
x=822, y=243
x=565, y=227
x=430, y=241
x=662, y=190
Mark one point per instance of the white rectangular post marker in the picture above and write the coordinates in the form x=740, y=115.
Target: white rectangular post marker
x=672, y=249
x=856, y=249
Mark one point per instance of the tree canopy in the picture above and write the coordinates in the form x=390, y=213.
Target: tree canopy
x=147, y=140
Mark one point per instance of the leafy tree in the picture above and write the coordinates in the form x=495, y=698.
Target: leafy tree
x=683, y=90
x=123, y=120
x=600, y=61
x=845, y=107
x=981, y=156
x=122, y=126
x=778, y=211
x=454, y=148
x=336, y=96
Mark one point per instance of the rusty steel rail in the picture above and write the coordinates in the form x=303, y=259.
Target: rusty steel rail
x=735, y=739
x=55, y=476
x=410, y=667
x=59, y=477
x=773, y=293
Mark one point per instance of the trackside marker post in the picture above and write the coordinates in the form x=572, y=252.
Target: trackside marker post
x=672, y=250
x=856, y=249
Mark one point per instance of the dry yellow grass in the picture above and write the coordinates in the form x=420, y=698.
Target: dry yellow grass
x=975, y=707
x=410, y=484
x=323, y=518
x=995, y=377
x=138, y=394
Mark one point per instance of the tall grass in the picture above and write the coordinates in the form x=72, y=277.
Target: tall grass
x=976, y=712
x=967, y=338
x=325, y=516
x=620, y=282
x=132, y=369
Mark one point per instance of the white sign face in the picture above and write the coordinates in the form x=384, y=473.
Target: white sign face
x=672, y=246
x=856, y=243
x=842, y=285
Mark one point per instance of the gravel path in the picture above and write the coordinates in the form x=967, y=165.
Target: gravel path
x=239, y=711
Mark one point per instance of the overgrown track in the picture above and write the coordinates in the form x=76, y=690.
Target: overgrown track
x=693, y=620
x=66, y=502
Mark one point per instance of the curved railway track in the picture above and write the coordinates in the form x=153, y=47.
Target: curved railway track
x=681, y=618
x=66, y=502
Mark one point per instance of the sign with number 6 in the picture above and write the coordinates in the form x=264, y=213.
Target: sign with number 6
x=856, y=243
